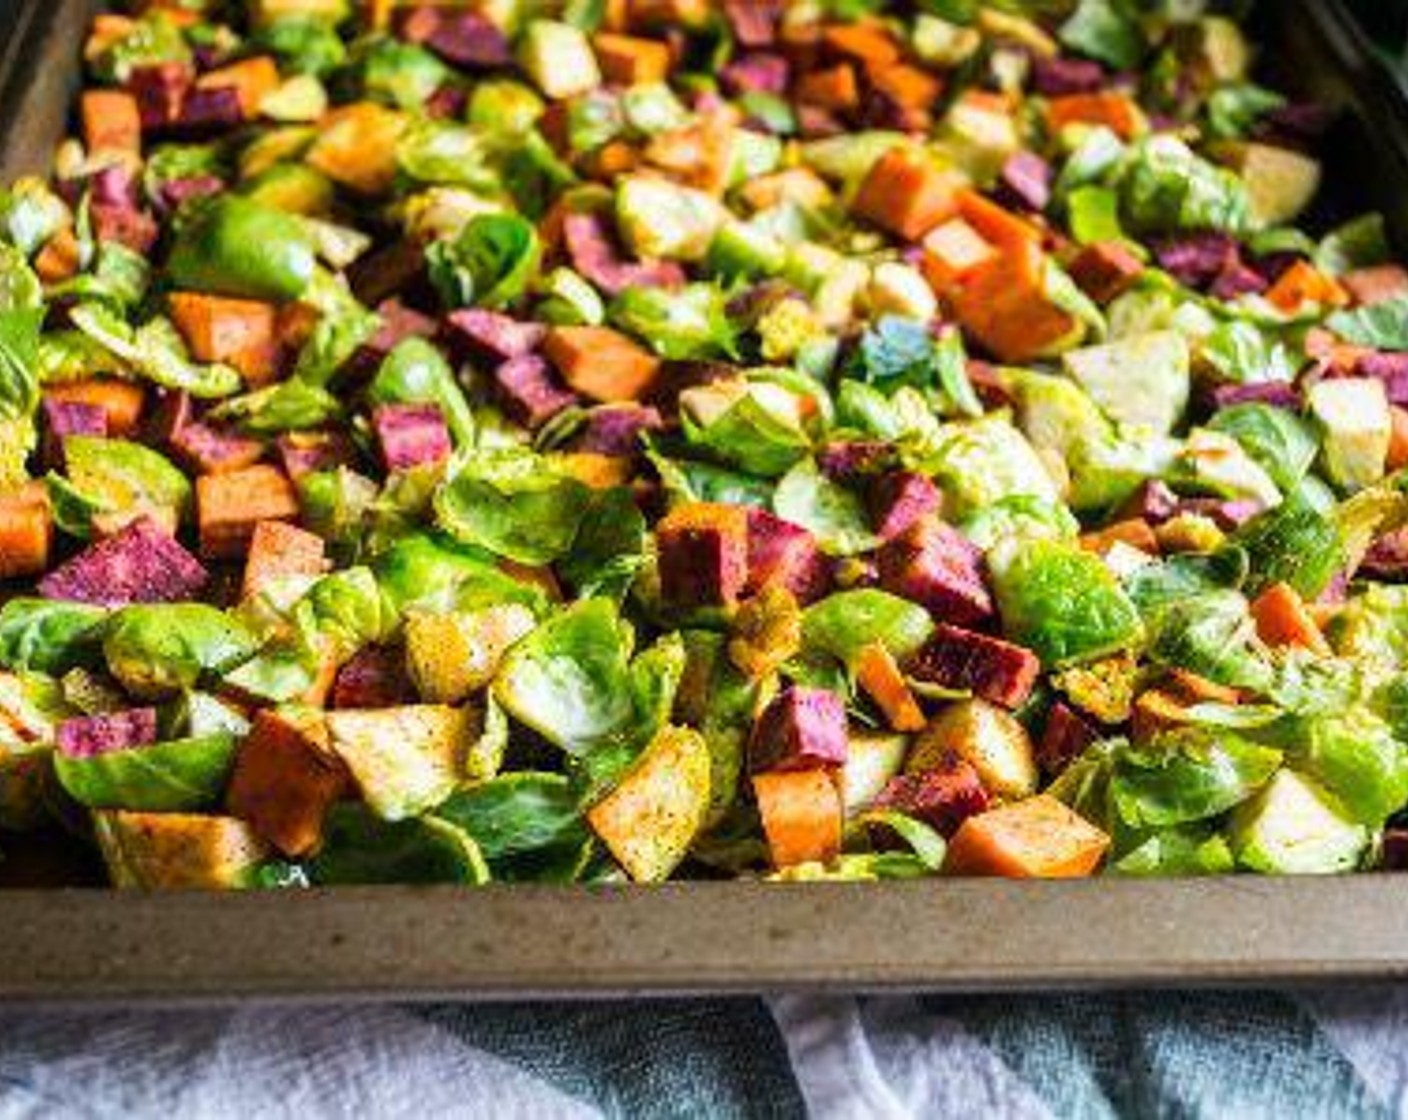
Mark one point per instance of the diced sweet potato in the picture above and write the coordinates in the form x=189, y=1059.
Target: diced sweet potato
x=1134, y=532
x=868, y=42
x=242, y=333
x=60, y=258
x=252, y=79
x=229, y=506
x=1003, y=305
x=1116, y=111
x=1397, y=457
x=880, y=677
x=934, y=565
x=120, y=400
x=906, y=194
x=69, y=418
x=1038, y=838
x=1105, y=271
x=142, y=563
x=907, y=87
x=285, y=779
x=616, y=429
x=966, y=661
x=649, y=820
x=411, y=435
x=278, y=549
x=1368, y=286
x=601, y=363
x=1156, y=711
x=1282, y=620
x=784, y=554
x=491, y=335
x=629, y=60
x=834, y=88
x=952, y=251
x=112, y=122
x=802, y=729
x=801, y=815
x=356, y=146
x=995, y=223
x=1303, y=283
x=703, y=554
x=177, y=851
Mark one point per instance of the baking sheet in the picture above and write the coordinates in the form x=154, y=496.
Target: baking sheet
x=64, y=945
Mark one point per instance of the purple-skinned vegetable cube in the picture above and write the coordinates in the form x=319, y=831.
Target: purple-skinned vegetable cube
x=475, y=333
x=933, y=564
x=1055, y=77
x=411, y=435
x=780, y=552
x=89, y=736
x=1278, y=394
x=1197, y=259
x=802, y=729
x=70, y=418
x=1391, y=369
x=531, y=391
x=942, y=798
x=595, y=256
x=139, y=564
x=616, y=429
x=208, y=449
x=1026, y=181
x=759, y=72
x=965, y=661
x=898, y=499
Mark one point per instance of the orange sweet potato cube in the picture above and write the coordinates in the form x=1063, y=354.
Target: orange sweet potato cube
x=630, y=60
x=26, y=532
x=230, y=505
x=253, y=80
x=285, y=779
x=242, y=333
x=111, y=121
x=801, y=813
x=122, y=401
x=601, y=363
x=1039, y=838
x=278, y=549
x=906, y=194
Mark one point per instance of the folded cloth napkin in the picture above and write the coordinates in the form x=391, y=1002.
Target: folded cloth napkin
x=1340, y=1054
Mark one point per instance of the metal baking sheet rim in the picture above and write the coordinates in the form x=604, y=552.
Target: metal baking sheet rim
x=407, y=943
x=410, y=944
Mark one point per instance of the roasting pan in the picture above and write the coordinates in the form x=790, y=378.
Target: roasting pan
x=67, y=943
